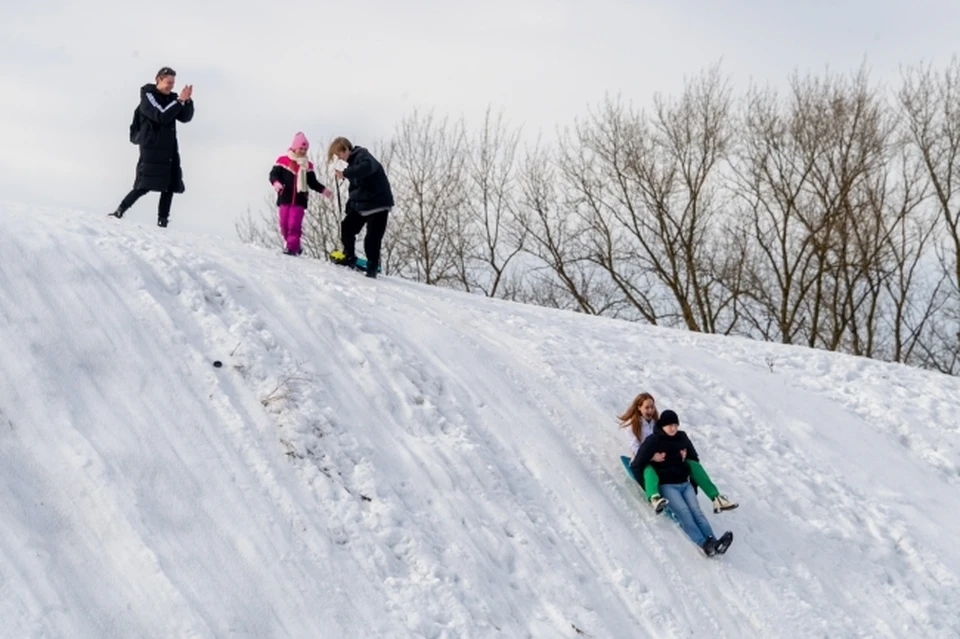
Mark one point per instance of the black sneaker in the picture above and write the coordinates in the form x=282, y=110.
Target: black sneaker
x=709, y=546
x=162, y=222
x=724, y=542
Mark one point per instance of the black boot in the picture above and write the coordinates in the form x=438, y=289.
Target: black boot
x=117, y=214
x=709, y=546
x=725, y=540
x=162, y=222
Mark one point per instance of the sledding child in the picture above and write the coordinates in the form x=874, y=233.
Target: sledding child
x=674, y=449
x=291, y=176
x=368, y=203
x=639, y=422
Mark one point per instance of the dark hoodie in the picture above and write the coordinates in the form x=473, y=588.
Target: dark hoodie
x=673, y=469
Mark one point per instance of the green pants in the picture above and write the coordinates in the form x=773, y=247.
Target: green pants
x=651, y=482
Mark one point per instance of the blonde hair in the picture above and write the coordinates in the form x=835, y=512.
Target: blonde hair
x=631, y=417
x=339, y=145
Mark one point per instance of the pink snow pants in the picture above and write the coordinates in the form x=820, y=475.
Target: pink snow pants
x=291, y=223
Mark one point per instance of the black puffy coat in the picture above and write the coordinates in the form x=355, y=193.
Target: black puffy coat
x=673, y=469
x=369, y=187
x=158, y=168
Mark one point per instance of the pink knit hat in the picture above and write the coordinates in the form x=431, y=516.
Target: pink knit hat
x=300, y=142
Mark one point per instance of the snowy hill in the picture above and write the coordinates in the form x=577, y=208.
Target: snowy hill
x=392, y=460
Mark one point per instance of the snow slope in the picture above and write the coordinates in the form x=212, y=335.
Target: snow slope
x=388, y=459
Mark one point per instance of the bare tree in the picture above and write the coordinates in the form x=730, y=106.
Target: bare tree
x=913, y=303
x=428, y=177
x=802, y=175
x=262, y=229
x=845, y=179
x=648, y=188
x=931, y=104
x=490, y=208
x=561, y=273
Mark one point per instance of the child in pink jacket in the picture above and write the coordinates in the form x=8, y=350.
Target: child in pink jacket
x=291, y=176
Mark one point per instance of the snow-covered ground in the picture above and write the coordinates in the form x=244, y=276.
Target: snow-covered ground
x=382, y=458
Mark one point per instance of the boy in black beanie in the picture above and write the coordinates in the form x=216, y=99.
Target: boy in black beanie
x=673, y=474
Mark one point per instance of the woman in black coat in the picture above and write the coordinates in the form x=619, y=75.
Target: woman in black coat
x=154, y=129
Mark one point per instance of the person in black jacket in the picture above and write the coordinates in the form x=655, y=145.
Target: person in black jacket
x=667, y=450
x=369, y=202
x=155, y=131
x=639, y=421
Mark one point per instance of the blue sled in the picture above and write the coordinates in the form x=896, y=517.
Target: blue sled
x=626, y=466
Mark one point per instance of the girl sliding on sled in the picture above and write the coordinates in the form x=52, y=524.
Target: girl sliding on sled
x=639, y=422
x=675, y=450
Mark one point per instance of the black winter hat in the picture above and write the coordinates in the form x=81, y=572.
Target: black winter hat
x=667, y=418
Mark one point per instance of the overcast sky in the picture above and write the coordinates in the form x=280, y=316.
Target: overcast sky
x=71, y=72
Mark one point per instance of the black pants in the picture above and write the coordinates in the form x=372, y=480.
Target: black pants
x=352, y=224
x=163, y=209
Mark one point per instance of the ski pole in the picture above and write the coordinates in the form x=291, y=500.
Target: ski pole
x=336, y=181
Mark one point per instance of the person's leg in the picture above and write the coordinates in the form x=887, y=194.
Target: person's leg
x=699, y=519
x=651, y=482
x=283, y=217
x=163, y=209
x=700, y=476
x=351, y=225
x=681, y=508
x=128, y=201
x=376, y=227
x=294, y=229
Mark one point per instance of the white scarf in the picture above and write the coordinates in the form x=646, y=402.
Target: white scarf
x=302, y=163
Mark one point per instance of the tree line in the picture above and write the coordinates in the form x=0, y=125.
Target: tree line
x=826, y=214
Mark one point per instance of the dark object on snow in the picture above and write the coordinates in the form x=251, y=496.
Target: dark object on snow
x=217, y=363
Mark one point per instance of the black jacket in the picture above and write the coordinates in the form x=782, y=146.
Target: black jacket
x=283, y=172
x=369, y=186
x=159, y=166
x=673, y=469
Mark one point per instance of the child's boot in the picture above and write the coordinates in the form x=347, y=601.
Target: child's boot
x=722, y=503
x=350, y=261
x=658, y=503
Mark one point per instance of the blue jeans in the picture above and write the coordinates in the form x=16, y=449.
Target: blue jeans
x=683, y=503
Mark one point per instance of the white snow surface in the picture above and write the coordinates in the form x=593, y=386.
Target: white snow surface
x=436, y=464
